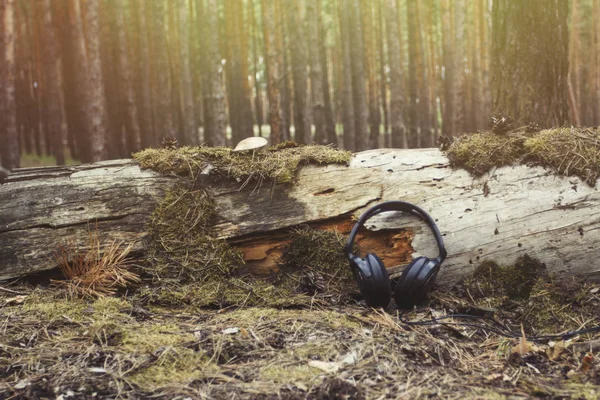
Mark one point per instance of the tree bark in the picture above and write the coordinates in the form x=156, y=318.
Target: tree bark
x=316, y=72
x=53, y=79
x=190, y=131
x=399, y=134
x=331, y=135
x=449, y=120
x=495, y=217
x=162, y=87
x=349, y=137
x=361, y=111
x=530, y=63
x=216, y=117
x=298, y=52
x=132, y=126
x=144, y=84
x=96, y=108
x=9, y=133
x=273, y=58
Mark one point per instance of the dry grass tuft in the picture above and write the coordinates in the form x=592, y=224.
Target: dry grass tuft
x=568, y=151
x=278, y=164
x=97, y=270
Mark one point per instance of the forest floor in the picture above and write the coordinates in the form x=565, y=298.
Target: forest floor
x=119, y=347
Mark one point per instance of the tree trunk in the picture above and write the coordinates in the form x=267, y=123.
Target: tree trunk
x=331, y=135
x=144, y=83
x=299, y=73
x=448, y=39
x=286, y=96
x=162, y=89
x=52, y=68
x=530, y=49
x=399, y=134
x=274, y=70
x=216, y=118
x=381, y=38
x=258, y=104
x=349, y=137
x=9, y=133
x=132, y=127
x=190, y=131
x=316, y=72
x=487, y=218
x=361, y=111
x=370, y=57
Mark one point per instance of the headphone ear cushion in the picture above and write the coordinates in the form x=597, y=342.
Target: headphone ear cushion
x=380, y=292
x=415, y=281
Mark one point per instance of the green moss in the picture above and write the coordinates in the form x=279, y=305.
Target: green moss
x=290, y=373
x=480, y=152
x=568, y=151
x=149, y=338
x=315, y=261
x=513, y=281
x=183, y=245
x=191, y=266
x=280, y=164
x=173, y=366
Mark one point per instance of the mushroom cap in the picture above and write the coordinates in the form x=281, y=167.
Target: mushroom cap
x=251, y=143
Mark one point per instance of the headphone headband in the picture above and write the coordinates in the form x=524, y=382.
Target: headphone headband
x=403, y=206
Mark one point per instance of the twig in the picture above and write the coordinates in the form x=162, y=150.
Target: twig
x=10, y=290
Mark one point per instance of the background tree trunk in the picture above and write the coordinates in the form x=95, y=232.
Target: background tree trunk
x=316, y=73
x=144, y=84
x=162, y=88
x=361, y=111
x=299, y=63
x=399, y=134
x=449, y=123
x=273, y=58
x=96, y=108
x=530, y=48
x=347, y=84
x=52, y=68
x=126, y=82
x=190, y=131
x=215, y=119
x=9, y=133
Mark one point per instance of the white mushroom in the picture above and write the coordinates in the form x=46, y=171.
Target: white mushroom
x=251, y=143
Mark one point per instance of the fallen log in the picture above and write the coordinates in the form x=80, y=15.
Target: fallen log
x=501, y=215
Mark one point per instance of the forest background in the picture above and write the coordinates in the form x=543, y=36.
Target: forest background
x=87, y=80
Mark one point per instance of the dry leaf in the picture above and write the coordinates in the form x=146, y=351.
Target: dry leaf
x=587, y=362
x=555, y=350
x=524, y=346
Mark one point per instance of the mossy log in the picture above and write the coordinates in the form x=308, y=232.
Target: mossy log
x=499, y=216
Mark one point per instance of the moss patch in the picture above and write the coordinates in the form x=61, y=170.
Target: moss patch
x=513, y=281
x=314, y=262
x=568, y=151
x=526, y=293
x=279, y=164
x=189, y=265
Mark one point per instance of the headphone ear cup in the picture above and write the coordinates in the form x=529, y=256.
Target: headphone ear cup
x=415, y=281
x=380, y=291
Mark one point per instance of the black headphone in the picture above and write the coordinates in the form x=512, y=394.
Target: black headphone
x=372, y=276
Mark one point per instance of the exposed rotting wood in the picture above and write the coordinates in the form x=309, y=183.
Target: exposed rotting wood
x=506, y=213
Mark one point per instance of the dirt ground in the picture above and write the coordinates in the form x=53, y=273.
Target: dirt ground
x=124, y=347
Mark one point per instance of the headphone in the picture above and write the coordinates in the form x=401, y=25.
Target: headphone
x=372, y=276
